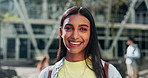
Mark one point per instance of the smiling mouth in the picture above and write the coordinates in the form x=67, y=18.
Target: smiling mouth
x=75, y=44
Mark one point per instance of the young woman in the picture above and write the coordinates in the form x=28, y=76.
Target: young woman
x=78, y=55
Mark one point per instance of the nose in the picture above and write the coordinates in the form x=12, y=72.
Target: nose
x=75, y=34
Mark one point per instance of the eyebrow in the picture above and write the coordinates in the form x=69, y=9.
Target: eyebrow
x=79, y=25
x=83, y=25
x=69, y=24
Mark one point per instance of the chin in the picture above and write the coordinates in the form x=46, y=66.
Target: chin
x=75, y=51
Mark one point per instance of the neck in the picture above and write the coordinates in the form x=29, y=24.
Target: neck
x=74, y=57
x=132, y=43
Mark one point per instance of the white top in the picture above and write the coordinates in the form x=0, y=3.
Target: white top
x=132, y=53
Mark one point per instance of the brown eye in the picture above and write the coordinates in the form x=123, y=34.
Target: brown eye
x=83, y=29
x=68, y=28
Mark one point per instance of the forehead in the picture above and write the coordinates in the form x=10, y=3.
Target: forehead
x=77, y=19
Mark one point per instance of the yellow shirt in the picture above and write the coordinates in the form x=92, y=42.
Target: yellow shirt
x=76, y=70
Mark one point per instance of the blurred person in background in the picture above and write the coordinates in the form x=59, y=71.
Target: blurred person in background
x=43, y=63
x=79, y=54
x=131, y=55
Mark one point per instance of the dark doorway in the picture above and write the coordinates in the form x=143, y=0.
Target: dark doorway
x=10, y=48
x=23, y=48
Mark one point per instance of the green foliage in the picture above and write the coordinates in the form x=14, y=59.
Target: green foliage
x=16, y=77
x=78, y=2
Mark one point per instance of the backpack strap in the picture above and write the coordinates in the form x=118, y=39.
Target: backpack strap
x=106, y=66
x=49, y=74
x=134, y=50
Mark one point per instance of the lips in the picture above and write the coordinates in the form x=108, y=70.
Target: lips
x=74, y=44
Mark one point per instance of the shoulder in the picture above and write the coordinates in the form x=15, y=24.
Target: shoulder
x=112, y=71
x=131, y=47
x=44, y=72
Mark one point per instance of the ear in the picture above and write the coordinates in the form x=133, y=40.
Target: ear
x=60, y=31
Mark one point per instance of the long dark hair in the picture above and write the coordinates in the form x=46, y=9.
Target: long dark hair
x=92, y=49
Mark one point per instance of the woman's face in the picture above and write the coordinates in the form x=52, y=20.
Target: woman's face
x=76, y=33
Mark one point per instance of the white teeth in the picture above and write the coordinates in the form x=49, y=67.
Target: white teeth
x=75, y=43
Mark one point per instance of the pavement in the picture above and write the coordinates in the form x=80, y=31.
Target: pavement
x=32, y=72
x=143, y=70
x=27, y=72
x=143, y=73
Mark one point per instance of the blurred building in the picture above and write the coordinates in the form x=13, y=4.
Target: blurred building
x=28, y=28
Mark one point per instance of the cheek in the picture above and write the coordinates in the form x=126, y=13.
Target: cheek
x=87, y=37
x=65, y=35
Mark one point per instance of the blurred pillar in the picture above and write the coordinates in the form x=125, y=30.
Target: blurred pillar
x=123, y=22
x=24, y=16
x=45, y=9
x=133, y=16
x=109, y=5
x=146, y=2
x=3, y=41
x=17, y=48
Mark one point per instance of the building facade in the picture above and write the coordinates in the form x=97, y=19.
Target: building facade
x=34, y=33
